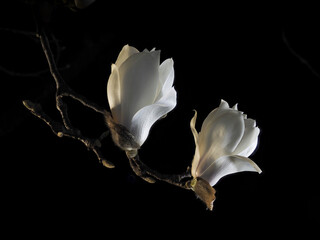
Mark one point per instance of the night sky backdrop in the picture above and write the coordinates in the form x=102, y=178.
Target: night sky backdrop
x=263, y=57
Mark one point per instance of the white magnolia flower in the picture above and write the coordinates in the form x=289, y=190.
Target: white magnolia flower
x=140, y=90
x=226, y=140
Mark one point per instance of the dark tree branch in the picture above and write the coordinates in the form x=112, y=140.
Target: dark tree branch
x=68, y=130
x=120, y=135
x=150, y=175
x=30, y=74
x=62, y=88
x=34, y=36
x=60, y=130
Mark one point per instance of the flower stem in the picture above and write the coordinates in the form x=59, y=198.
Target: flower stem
x=66, y=129
x=146, y=172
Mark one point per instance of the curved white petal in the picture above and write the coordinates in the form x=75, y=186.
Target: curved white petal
x=196, y=157
x=166, y=74
x=221, y=136
x=249, y=149
x=214, y=114
x=139, y=77
x=114, y=93
x=166, y=77
x=143, y=120
x=224, y=104
x=126, y=52
x=235, y=107
x=249, y=140
x=227, y=165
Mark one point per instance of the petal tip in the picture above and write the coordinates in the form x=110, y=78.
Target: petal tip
x=235, y=107
x=193, y=119
x=224, y=104
x=113, y=67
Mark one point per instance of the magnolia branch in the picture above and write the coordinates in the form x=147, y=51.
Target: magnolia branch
x=35, y=37
x=150, y=175
x=66, y=129
x=61, y=131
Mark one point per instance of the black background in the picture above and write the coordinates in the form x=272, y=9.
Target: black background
x=264, y=57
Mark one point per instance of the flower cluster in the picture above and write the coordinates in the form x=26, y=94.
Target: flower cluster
x=140, y=91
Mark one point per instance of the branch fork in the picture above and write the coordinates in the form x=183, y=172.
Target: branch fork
x=120, y=135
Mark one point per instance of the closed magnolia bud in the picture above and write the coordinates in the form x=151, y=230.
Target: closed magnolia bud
x=60, y=134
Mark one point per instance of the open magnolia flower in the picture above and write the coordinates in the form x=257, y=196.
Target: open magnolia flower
x=226, y=140
x=139, y=92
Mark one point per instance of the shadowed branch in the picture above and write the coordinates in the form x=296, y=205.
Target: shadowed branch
x=66, y=129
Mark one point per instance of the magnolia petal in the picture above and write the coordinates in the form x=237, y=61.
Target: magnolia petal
x=143, y=120
x=235, y=107
x=250, y=123
x=224, y=104
x=114, y=93
x=139, y=76
x=166, y=74
x=249, y=140
x=249, y=149
x=221, y=137
x=227, y=165
x=166, y=77
x=214, y=114
x=196, y=157
x=147, y=50
x=126, y=52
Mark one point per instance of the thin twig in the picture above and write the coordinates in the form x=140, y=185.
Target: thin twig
x=32, y=35
x=68, y=130
x=59, y=130
x=62, y=88
x=301, y=59
x=150, y=175
x=30, y=74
